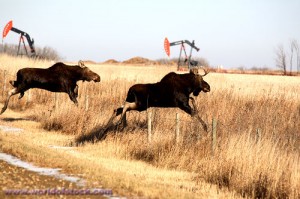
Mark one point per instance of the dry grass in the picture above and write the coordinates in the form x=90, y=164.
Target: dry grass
x=124, y=177
x=268, y=167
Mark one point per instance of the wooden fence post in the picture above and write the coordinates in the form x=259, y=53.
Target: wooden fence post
x=4, y=82
x=86, y=102
x=258, y=135
x=28, y=99
x=55, y=100
x=177, y=131
x=214, y=135
x=149, y=127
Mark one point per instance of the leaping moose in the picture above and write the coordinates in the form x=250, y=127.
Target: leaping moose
x=57, y=78
x=172, y=91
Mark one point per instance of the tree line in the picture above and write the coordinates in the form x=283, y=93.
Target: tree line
x=283, y=59
x=46, y=52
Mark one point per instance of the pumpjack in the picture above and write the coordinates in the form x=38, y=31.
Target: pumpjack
x=8, y=27
x=187, y=60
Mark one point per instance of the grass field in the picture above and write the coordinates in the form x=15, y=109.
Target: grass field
x=265, y=166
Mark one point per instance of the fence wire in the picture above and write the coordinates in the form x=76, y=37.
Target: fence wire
x=88, y=100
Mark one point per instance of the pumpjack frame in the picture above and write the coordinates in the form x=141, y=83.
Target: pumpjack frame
x=187, y=60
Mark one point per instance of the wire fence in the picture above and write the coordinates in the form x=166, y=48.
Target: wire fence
x=211, y=132
x=179, y=121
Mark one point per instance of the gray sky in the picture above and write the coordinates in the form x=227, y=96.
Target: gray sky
x=231, y=33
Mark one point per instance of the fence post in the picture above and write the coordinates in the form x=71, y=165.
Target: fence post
x=177, y=131
x=258, y=135
x=55, y=100
x=28, y=97
x=86, y=102
x=214, y=135
x=4, y=82
x=149, y=127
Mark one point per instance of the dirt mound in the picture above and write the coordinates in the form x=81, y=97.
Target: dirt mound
x=139, y=60
x=111, y=61
x=89, y=62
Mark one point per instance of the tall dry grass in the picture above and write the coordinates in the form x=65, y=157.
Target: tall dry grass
x=264, y=167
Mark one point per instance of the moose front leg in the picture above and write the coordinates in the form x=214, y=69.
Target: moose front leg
x=76, y=91
x=197, y=115
x=72, y=96
x=194, y=105
x=186, y=108
x=183, y=103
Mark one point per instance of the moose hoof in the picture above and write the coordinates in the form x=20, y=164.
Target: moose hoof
x=21, y=95
x=193, y=113
x=2, y=111
x=205, y=127
x=119, y=123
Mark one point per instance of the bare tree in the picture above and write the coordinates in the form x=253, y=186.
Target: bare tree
x=48, y=53
x=42, y=53
x=294, y=47
x=281, y=59
x=292, y=53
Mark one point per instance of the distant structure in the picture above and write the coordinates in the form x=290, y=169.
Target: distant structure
x=187, y=60
x=220, y=67
x=8, y=27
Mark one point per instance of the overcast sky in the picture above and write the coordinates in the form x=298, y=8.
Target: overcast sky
x=232, y=33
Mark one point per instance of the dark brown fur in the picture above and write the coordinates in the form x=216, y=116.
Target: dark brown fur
x=172, y=91
x=57, y=78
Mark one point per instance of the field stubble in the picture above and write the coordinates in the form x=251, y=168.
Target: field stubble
x=268, y=167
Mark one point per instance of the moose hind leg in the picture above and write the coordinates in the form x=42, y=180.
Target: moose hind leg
x=118, y=111
x=124, y=121
x=127, y=107
x=10, y=93
x=21, y=95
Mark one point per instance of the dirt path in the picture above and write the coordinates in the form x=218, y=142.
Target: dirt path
x=14, y=179
x=24, y=180
x=25, y=140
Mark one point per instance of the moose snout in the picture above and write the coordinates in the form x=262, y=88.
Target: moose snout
x=205, y=87
x=96, y=79
x=206, y=90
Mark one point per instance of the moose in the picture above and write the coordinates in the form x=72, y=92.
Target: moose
x=172, y=91
x=57, y=78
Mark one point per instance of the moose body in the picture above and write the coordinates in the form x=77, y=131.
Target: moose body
x=57, y=78
x=172, y=91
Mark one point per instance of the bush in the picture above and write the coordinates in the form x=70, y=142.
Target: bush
x=46, y=52
x=174, y=61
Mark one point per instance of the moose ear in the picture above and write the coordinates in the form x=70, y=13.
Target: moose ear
x=194, y=71
x=81, y=64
